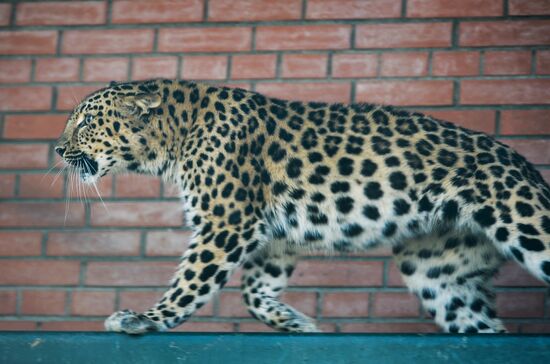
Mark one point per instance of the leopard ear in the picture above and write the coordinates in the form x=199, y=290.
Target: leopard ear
x=141, y=103
x=112, y=83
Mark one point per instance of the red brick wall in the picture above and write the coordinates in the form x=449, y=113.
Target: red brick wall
x=484, y=64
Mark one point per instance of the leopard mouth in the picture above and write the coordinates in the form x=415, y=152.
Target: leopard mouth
x=86, y=166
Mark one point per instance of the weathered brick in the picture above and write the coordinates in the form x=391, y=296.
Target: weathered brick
x=395, y=278
x=389, y=327
x=140, y=301
x=304, y=66
x=205, y=327
x=70, y=96
x=254, y=10
x=534, y=328
x=253, y=66
x=231, y=304
x=76, y=189
x=404, y=64
x=23, y=156
x=43, y=302
x=105, y=69
x=535, y=150
x=9, y=302
x=520, y=304
x=17, y=325
x=96, y=243
x=512, y=275
x=154, y=67
x=167, y=242
x=406, y=93
x=529, y=7
x=28, y=42
x=401, y=35
x=129, y=273
x=507, y=63
x=345, y=304
x=20, y=243
x=354, y=65
x=480, y=120
x=543, y=62
x=137, y=214
x=337, y=273
x=524, y=122
x=93, y=303
x=134, y=185
x=307, y=91
x=453, y=9
x=15, y=70
x=223, y=39
x=103, y=41
x=40, y=186
x=500, y=92
x=72, y=326
x=505, y=33
x=353, y=9
x=40, y=214
x=39, y=272
x=5, y=14
x=25, y=98
x=395, y=304
x=452, y=63
x=34, y=126
x=61, y=13
x=204, y=67
x=7, y=185
x=300, y=37
x=57, y=69
x=160, y=11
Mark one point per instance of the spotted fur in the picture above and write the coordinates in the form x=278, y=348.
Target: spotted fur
x=264, y=179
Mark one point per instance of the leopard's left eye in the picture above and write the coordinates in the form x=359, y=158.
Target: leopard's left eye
x=87, y=120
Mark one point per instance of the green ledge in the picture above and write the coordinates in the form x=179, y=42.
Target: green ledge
x=106, y=348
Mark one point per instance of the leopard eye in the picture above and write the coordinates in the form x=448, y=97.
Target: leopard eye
x=87, y=120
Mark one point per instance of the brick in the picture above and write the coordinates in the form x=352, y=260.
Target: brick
x=72, y=326
x=25, y=98
x=520, y=304
x=395, y=279
x=9, y=302
x=23, y=156
x=353, y=9
x=261, y=327
x=7, y=185
x=529, y=7
x=5, y=14
x=404, y=64
x=505, y=33
x=453, y=9
x=15, y=70
x=399, y=35
x=535, y=150
x=167, y=242
x=546, y=175
x=304, y=66
x=119, y=274
x=154, y=67
x=223, y=39
x=134, y=185
x=307, y=91
x=96, y=243
x=76, y=189
x=93, y=303
x=70, y=96
x=61, y=13
x=346, y=304
x=524, y=122
x=20, y=243
x=395, y=304
x=170, y=191
x=507, y=63
x=34, y=126
x=39, y=272
x=251, y=66
x=205, y=327
x=337, y=273
x=512, y=275
x=354, y=65
x=140, y=301
x=40, y=214
x=389, y=327
x=57, y=69
x=204, y=67
x=101, y=41
x=231, y=304
x=43, y=302
x=500, y=92
x=302, y=37
x=535, y=328
x=543, y=62
x=40, y=186
x=406, y=93
x=105, y=69
x=137, y=214
x=28, y=42
x=17, y=325
x=462, y=63
x=479, y=120
x=254, y=10
x=160, y=11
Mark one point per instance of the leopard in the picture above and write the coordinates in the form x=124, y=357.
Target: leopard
x=264, y=180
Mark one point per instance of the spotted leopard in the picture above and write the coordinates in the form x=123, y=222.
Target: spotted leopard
x=264, y=180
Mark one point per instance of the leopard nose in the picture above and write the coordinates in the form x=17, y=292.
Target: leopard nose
x=60, y=150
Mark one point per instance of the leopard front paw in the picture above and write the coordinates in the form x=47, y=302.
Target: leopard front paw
x=130, y=322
